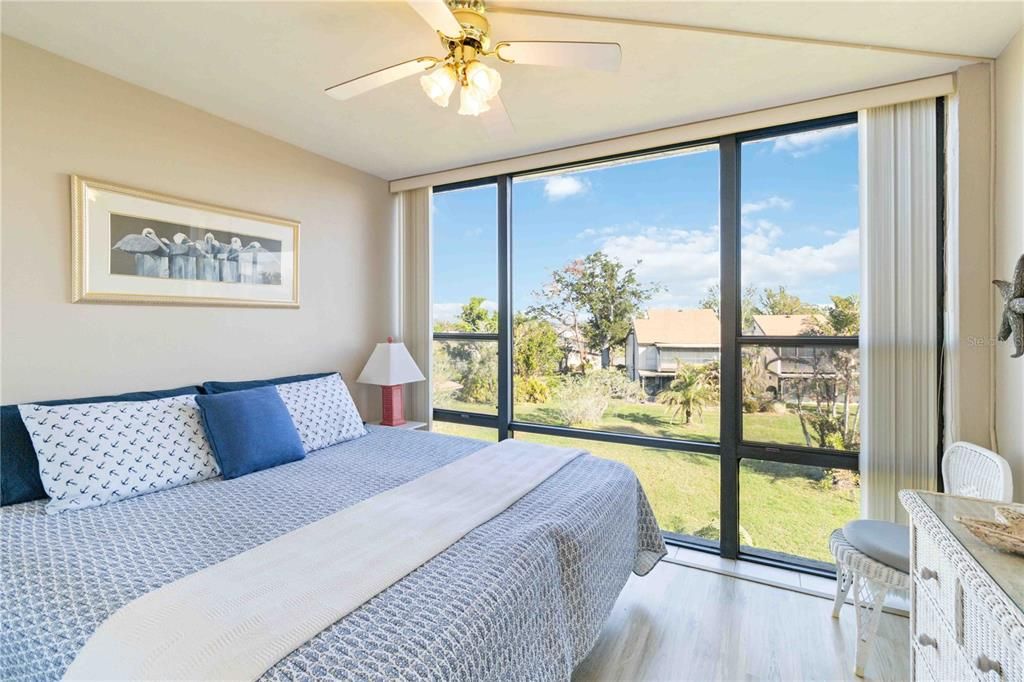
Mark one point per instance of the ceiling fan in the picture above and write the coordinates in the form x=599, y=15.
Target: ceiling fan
x=464, y=30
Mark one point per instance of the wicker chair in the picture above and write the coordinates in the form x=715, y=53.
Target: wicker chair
x=968, y=471
x=972, y=471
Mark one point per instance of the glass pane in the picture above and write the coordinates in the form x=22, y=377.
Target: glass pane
x=465, y=245
x=807, y=396
x=466, y=431
x=792, y=508
x=800, y=248
x=615, y=297
x=681, y=486
x=465, y=375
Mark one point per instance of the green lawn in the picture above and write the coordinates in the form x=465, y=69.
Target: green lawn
x=785, y=508
x=651, y=419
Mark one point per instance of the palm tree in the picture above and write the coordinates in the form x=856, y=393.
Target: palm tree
x=687, y=394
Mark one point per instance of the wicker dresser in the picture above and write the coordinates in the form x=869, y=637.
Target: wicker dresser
x=967, y=618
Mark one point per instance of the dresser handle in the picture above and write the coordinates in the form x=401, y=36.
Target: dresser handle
x=927, y=574
x=925, y=640
x=987, y=665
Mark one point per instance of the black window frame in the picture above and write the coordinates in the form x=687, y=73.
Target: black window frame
x=732, y=448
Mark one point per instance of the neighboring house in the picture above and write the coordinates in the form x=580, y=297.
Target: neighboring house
x=788, y=363
x=665, y=339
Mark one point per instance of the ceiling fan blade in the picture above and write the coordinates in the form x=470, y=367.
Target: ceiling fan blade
x=376, y=79
x=598, y=56
x=496, y=120
x=437, y=14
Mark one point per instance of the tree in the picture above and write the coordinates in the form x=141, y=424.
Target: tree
x=595, y=298
x=713, y=301
x=824, y=398
x=754, y=370
x=471, y=366
x=687, y=394
x=712, y=372
x=473, y=317
x=562, y=307
x=843, y=316
x=781, y=302
x=537, y=350
x=612, y=296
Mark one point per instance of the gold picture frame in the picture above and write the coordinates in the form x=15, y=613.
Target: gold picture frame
x=185, y=252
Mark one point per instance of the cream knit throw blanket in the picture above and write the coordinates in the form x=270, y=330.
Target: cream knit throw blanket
x=236, y=619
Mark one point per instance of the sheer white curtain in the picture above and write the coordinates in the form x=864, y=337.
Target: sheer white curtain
x=898, y=338
x=414, y=295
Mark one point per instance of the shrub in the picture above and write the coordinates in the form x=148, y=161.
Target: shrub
x=479, y=387
x=617, y=385
x=531, y=390
x=582, y=400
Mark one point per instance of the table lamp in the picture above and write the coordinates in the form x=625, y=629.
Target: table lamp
x=390, y=366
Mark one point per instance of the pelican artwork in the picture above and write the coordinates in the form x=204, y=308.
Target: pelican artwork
x=1013, y=309
x=206, y=253
x=150, y=252
x=228, y=258
x=250, y=255
x=181, y=257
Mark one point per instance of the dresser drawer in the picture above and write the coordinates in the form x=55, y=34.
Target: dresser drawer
x=935, y=647
x=935, y=576
x=993, y=649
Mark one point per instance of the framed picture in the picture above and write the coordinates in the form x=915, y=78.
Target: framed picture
x=134, y=246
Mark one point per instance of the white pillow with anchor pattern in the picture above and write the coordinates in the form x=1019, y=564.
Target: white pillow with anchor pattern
x=94, y=453
x=323, y=411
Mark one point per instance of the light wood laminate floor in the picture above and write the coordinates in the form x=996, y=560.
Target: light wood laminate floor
x=681, y=623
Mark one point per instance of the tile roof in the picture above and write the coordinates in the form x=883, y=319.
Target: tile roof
x=696, y=327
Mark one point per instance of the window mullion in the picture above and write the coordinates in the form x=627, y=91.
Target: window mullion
x=504, y=209
x=729, y=317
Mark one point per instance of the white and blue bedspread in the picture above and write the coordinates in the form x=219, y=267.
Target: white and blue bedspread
x=522, y=597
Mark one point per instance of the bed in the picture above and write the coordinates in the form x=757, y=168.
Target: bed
x=523, y=596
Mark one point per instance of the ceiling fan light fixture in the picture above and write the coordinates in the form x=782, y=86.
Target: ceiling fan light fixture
x=472, y=101
x=439, y=84
x=484, y=78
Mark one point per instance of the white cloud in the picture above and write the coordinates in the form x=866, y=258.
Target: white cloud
x=686, y=262
x=591, y=232
x=810, y=142
x=561, y=186
x=449, y=312
x=770, y=202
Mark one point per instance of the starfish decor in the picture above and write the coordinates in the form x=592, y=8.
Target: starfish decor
x=1013, y=309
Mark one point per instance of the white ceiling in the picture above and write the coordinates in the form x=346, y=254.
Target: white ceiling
x=265, y=65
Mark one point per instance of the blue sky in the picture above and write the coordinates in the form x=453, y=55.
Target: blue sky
x=800, y=220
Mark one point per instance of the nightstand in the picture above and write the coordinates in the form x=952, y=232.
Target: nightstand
x=408, y=426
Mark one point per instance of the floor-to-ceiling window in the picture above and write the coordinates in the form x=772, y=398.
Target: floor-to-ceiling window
x=465, y=308
x=799, y=289
x=690, y=312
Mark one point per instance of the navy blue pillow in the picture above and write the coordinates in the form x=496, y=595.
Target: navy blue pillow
x=212, y=387
x=19, y=468
x=249, y=430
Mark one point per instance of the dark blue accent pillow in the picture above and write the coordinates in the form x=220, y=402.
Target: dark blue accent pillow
x=19, y=468
x=212, y=387
x=249, y=430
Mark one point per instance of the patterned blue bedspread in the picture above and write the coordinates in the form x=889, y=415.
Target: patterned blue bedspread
x=522, y=597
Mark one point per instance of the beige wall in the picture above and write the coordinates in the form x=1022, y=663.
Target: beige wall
x=61, y=118
x=1009, y=246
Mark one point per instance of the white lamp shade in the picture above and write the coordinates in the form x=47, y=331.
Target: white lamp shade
x=389, y=365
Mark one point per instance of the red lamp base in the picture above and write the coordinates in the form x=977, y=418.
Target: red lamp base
x=393, y=411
